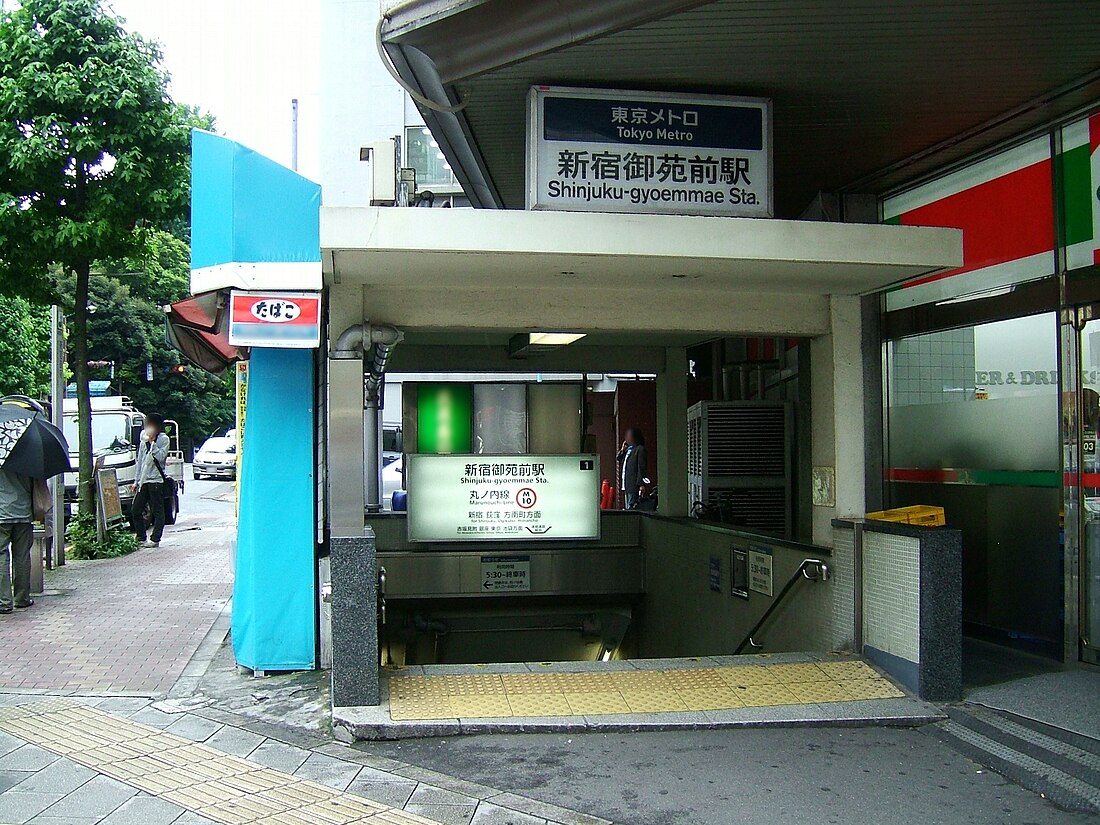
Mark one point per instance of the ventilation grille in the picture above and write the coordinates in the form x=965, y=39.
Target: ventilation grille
x=739, y=463
x=758, y=510
x=746, y=440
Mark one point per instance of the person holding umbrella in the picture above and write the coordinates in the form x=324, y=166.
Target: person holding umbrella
x=30, y=448
x=16, y=539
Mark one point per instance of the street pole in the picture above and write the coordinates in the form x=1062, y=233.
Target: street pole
x=57, y=409
x=294, y=134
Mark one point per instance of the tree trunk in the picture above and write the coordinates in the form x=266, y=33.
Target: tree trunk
x=86, y=484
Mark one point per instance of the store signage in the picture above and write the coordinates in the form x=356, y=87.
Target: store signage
x=600, y=150
x=760, y=570
x=287, y=320
x=492, y=498
x=1080, y=185
x=505, y=574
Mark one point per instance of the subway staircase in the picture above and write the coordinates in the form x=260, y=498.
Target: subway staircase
x=1061, y=765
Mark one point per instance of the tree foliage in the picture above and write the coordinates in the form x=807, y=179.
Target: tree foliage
x=91, y=146
x=24, y=348
x=93, y=153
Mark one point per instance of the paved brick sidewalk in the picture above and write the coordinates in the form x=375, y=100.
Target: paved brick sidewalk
x=126, y=625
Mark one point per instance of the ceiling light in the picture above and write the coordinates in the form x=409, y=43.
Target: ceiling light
x=526, y=344
x=555, y=339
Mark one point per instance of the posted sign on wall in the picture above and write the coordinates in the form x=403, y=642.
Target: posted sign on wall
x=481, y=497
x=599, y=150
x=289, y=320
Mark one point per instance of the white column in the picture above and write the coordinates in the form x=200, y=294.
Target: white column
x=837, y=412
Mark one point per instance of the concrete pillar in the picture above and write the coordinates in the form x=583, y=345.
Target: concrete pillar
x=672, y=434
x=848, y=409
x=838, y=433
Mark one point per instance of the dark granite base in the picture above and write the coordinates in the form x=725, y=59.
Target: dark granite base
x=355, y=620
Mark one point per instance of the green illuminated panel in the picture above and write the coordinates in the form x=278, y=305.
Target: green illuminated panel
x=443, y=418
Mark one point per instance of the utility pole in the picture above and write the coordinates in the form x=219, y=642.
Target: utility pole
x=57, y=410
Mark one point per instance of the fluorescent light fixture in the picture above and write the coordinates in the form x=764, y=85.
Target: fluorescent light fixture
x=526, y=344
x=554, y=339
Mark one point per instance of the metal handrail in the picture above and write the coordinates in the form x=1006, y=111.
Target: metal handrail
x=821, y=574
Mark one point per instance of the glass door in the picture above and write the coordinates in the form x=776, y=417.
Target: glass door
x=1081, y=425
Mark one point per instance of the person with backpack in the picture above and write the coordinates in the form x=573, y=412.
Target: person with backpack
x=149, y=481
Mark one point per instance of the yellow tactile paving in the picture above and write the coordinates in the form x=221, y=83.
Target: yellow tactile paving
x=589, y=693
x=657, y=701
x=222, y=788
x=746, y=675
x=847, y=670
x=723, y=698
x=762, y=696
x=583, y=704
x=539, y=704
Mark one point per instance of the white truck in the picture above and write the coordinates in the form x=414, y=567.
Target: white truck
x=116, y=432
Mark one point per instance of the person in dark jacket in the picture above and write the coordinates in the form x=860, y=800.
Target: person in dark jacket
x=633, y=467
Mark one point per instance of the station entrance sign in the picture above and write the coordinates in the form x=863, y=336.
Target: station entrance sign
x=495, y=497
x=601, y=150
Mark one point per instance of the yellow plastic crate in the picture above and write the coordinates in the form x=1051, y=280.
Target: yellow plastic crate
x=922, y=514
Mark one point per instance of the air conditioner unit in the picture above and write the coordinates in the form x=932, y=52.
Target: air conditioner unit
x=740, y=463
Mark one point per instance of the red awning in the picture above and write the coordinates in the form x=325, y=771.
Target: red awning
x=199, y=328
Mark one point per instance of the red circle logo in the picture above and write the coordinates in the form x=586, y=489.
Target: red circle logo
x=525, y=498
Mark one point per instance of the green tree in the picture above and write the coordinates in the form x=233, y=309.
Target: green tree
x=129, y=330
x=92, y=153
x=24, y=348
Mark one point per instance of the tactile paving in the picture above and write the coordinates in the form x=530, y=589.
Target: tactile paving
x=591, y=693
x=222, y=788
x=583, y=704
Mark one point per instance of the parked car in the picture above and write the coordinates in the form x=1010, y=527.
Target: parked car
x=393, y=479
x=216, y=458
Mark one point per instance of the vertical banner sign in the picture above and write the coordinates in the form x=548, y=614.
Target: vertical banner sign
x=496, y=497
x=601, y=150
x=241, y=376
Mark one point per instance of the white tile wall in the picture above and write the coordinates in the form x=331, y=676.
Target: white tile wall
x=891, y=594
x=841, y=619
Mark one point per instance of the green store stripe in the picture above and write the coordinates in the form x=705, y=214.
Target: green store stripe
x=1074, y=170
x=990, y=478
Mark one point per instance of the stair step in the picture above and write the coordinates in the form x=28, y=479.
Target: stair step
x=1064, y=773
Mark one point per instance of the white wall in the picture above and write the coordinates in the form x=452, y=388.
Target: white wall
x=360, y=102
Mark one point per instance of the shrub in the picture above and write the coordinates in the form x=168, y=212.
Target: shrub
x=83, y=540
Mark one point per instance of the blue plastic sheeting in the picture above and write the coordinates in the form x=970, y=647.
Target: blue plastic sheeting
x=274, y=592
x=246, y=208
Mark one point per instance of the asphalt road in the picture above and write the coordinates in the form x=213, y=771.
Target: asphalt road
x=849, y=776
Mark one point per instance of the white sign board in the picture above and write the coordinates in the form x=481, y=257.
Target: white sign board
x=505, y=574
x=600, y=150
x=487, y=497
x=760, y=570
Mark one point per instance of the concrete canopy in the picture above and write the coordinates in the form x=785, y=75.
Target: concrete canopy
x=867, y=96
x=499, y=269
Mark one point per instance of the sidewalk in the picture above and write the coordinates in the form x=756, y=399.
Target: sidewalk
x=124, y=626
x=127, y=761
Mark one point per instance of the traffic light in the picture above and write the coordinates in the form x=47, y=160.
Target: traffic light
x=178, y=369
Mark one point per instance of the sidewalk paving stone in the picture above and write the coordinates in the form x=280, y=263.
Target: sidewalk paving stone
x=122, y=626
x=328, y=771
x=97, y=797
x=61, y=776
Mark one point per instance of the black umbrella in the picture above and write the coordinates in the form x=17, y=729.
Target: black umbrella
x=30, y=445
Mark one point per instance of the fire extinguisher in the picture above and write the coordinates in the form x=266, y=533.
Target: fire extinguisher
x=607, y=495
